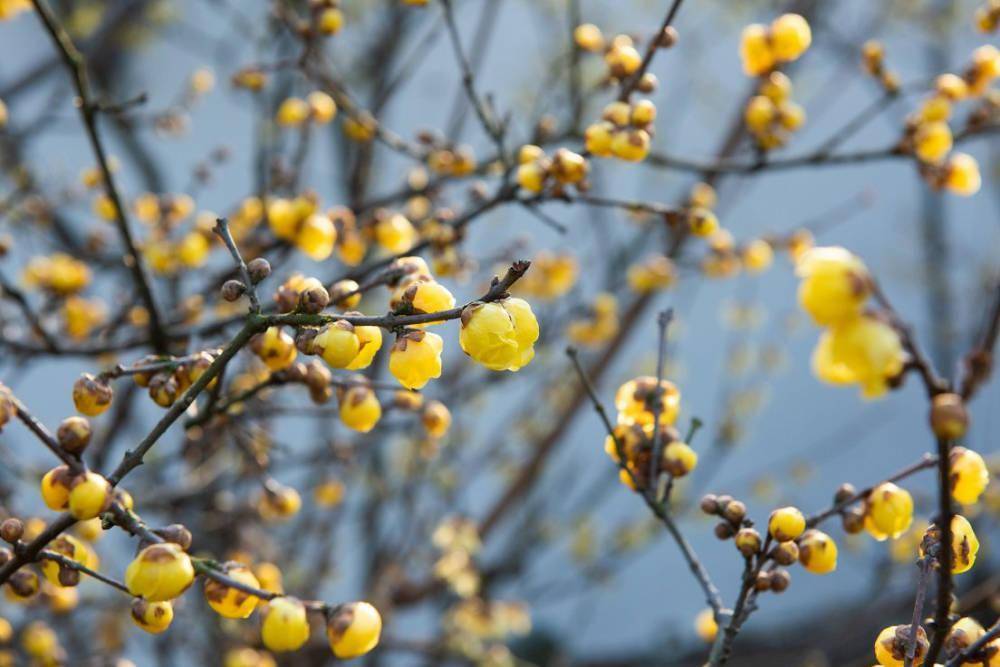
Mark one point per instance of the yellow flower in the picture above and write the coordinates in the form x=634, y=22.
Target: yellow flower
x=888, y=511
x=331, y=20
x=705, y=625
x=316, y=237
x=91, y=396
x=89, y=495
x=679, y=459
x=395, y=233
x=597, y=139
x=285, y=626
x=790, y=37
x=153, y=617
x=436, y=418
x=321, y=106
x=499, y=335
x=755, y=50
x=964, y=633
x=279, y=502
x=338, y=344
x=969, y=475
x=964, y=543
x=634, y=401
x=228, y=601
x=360, y=409
x=932, y=141
x=269, y=576
x=759, y=114
x=422, y=296
x=863, y=351
x=654, y=273
x=369, y=342
x=818, y=552
x=631, y=145
x=345, y=294
x=276, y=348
x=329, y=493
x=39, y=641
x=55, y=488
x=835, y=284
x=962, y=175
x=292, y=112
x=192, y=250
x=786, y=524
x=892, y=644
x=757, y=256
x=531, y=176
x=415, y=358
x=353, y=630
x=71, y=548
x=588, y=37
x=160, y=572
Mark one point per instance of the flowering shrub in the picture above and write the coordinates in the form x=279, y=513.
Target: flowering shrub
x=197, y=318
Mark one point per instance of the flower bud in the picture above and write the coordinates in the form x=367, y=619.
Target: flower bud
x=780, y=580
x=748, y=542
x=949, y=418
x=353, y=629
x=786, y=524
x=74, y=435
x=232, y=290
x=735, y=511
x=785, y=553
x=91, y=395
x=259, y=269
x=11, y=530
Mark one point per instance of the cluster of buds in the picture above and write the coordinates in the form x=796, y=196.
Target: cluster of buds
x=551, y=276
x=165, y=210
x=873, y=62
x=631, y=446
x=858, y=346
x=301, y=294
x=167, y=383
x=58, y=274
x=733, y=522
x=599, y=325
x=620, y=55
x=85, y=494
x=80, y=316
x=536, y=170
x=771, y=116
x=249, y=78
x=392, y=231
x=762, y=48
x=318, y=107
x=654, y=273
x=444, y=158
x=300, y=222
x=625, y=131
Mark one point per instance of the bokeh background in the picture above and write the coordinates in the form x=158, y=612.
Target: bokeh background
x=739, y=349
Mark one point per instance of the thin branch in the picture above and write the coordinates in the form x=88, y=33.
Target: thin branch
x=89, y=109
x=712, y=595
x=629, y=84
x=222, y=231
x=662, y=322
